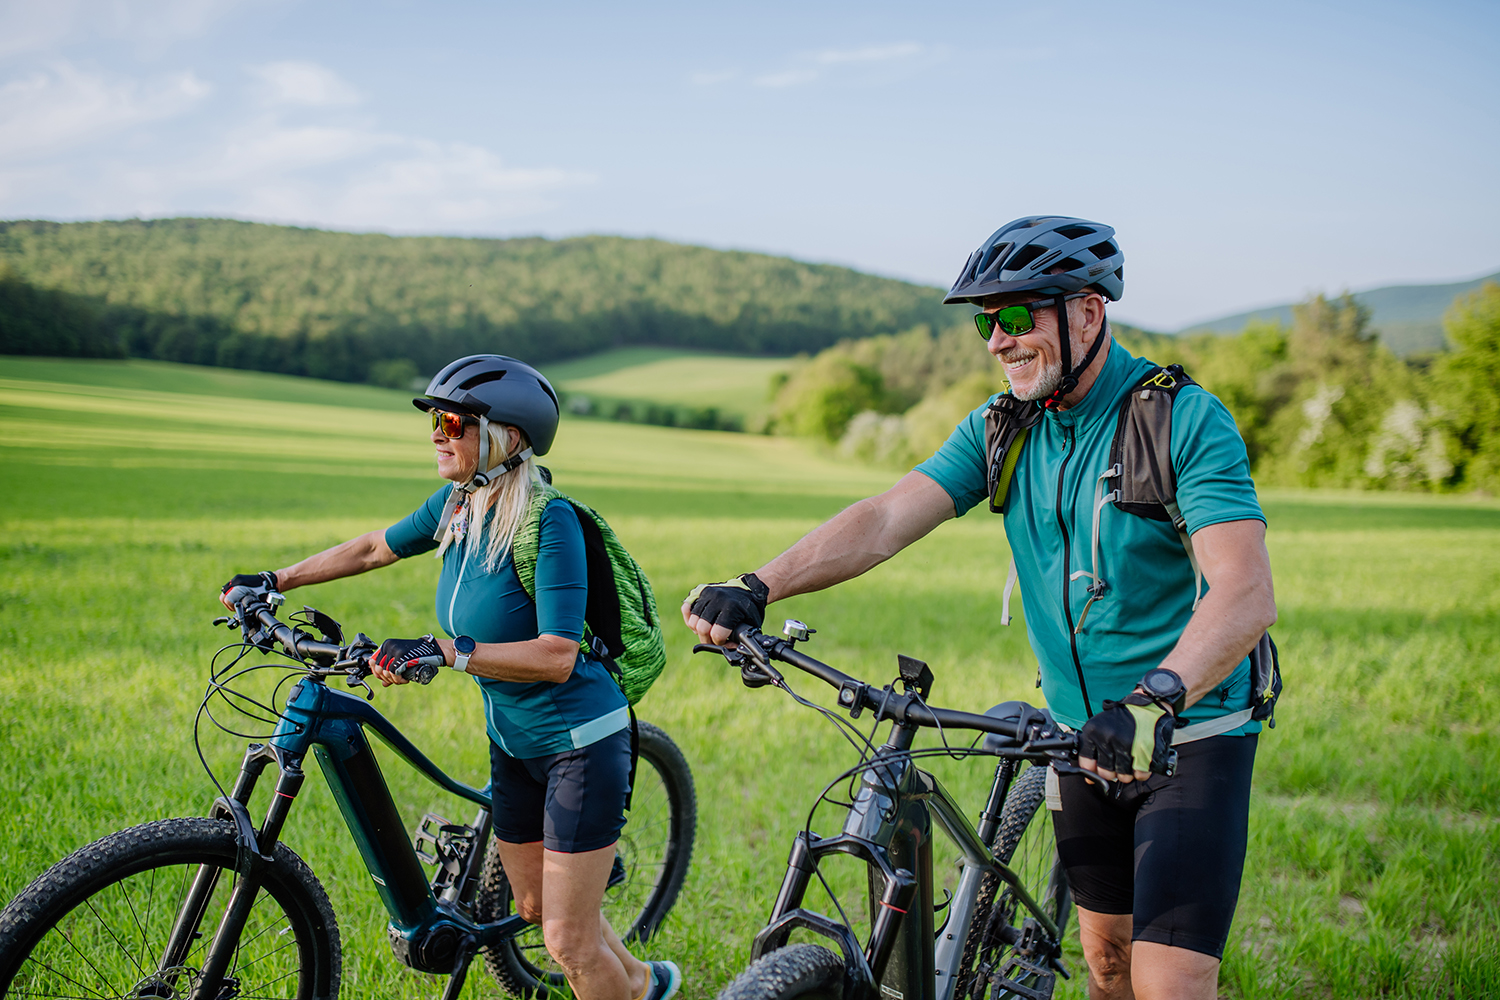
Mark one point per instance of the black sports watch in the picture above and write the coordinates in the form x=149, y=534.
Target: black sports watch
x=1164, y=687
x=463, y=648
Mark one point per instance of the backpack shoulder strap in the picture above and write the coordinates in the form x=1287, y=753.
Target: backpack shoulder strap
x=1006, y=422
x=1141, y=457
x=528, y=537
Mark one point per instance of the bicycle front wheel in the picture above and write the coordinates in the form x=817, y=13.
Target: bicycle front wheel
x=651, y=861
x=101, y=922
x=1026, y=844
x=796, y=972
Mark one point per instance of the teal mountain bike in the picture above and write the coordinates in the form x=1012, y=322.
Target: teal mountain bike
x=216, y=907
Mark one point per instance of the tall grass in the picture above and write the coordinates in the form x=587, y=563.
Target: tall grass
x=1374, y=834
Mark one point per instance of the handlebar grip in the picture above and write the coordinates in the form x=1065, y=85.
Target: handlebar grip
x=421, y=669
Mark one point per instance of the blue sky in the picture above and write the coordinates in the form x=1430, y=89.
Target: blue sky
x=1246, y=153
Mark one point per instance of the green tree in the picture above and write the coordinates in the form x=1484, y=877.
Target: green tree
x=1466, y=388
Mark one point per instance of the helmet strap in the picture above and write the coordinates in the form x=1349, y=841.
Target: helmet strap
x=483, y=474
x=1070, y=380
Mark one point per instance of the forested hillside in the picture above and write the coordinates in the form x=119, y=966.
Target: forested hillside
x=360, y=307
x=1320, y=401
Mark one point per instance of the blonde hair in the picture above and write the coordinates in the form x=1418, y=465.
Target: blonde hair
x=496, y=509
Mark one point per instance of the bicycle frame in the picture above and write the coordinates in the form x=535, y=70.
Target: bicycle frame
x=331, y=724
x=889, y=827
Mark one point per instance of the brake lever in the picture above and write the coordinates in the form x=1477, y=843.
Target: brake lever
x=735, y=657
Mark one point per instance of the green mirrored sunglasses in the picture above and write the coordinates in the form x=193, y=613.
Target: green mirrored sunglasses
x=1017, y=319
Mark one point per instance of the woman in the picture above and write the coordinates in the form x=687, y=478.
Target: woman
x=557, y=721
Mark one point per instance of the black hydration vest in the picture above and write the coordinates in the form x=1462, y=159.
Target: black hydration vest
x=1145, y=484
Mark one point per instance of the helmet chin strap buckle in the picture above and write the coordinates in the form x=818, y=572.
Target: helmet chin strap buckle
x=483, y=478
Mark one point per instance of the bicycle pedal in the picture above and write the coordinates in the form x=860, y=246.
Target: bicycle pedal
x=1023, y=979
x=617, y=874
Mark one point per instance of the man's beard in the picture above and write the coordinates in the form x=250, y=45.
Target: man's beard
x=1046, y=384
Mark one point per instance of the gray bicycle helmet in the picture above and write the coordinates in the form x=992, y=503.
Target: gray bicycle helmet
x=496, y=389
x=1020, y=257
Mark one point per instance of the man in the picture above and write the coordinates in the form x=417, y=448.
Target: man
x=1155, y=867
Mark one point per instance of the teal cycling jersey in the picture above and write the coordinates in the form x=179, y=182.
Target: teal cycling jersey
x=1049, y=519
x=524, y=718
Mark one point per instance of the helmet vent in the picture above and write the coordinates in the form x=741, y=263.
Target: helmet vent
x=1025, y=256
x=1066, y=264
x=997, y=252
x=483, y=377
x=1076, y=232
x=1103, y=250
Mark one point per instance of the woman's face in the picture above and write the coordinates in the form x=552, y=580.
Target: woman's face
x=457, y=458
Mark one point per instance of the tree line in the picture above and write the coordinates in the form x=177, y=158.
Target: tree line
x=367, y=307
x=1319, y=401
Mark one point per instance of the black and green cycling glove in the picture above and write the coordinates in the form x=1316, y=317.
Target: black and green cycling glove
x=1134, y=734
x=741, y=601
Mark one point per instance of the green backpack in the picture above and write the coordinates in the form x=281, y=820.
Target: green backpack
x=621, y=624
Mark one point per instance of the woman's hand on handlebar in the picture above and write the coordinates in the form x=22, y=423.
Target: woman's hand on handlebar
x=400, y=661
x=243, y=585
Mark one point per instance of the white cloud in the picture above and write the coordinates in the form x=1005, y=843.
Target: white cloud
x=54, y=109
x=304, y=83
x=877, y=53
x=787, y=78
x=809, y=67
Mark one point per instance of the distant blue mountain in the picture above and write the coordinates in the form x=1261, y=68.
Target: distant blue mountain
x=1409, y=318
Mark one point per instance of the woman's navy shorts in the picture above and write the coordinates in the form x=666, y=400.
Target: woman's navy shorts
x=572, y=802
x=1169, y=851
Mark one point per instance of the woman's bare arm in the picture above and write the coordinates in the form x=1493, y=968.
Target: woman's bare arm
x=357, y=555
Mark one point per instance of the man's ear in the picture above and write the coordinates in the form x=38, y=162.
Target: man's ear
x=1092, y=309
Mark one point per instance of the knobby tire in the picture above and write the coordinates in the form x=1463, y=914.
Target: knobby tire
x=97, y=922
x=806, y=971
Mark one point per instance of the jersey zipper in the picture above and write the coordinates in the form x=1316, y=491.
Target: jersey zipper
x=463, y=560
x=1062, y=523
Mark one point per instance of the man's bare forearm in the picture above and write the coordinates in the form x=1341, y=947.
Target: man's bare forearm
x=859, y=538
x=1240, y=605
x=358, y=555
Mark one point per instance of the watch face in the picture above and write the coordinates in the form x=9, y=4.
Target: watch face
x=1159, y=682
x=464, y=645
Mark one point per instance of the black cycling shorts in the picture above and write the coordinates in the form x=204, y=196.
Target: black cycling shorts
x=572, y=802
x=1169, y=851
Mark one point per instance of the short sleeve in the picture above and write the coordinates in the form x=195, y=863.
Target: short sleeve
x=412, y=535
x=958, y=466
x=1209, y=461
x=562, y=589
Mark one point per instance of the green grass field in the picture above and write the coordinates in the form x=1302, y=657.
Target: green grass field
x=736, y=385
x=131, y=491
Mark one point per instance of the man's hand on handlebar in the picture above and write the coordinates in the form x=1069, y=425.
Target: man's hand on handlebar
x=401, y=661
x=716, y=610
x=243, y=585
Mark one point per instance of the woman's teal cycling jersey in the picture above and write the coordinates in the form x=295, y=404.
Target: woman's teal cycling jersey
x=1141, y=615
x=534, y=718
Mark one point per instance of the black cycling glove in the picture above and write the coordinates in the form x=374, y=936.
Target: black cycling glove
x=741, y=601
x=411, y=659
x=1130, y=735
x=247, y=585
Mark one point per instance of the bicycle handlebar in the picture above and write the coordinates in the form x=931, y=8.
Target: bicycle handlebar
x=756, y=650
x=258, y=622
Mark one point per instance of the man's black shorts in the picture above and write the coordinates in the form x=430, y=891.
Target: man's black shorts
x=1169, y=851
x=572, y=802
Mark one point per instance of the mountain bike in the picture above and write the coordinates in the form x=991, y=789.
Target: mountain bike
x=214, y=908
x=1002, y=926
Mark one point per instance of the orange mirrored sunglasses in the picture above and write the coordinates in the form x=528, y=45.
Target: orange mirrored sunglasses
x=452, y=424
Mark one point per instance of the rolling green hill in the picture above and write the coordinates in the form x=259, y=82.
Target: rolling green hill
x=337, y=305
x=1408, y=318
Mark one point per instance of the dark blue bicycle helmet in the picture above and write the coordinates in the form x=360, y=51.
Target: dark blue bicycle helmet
x=1054, y=256
x=1047, y=254
x=500, y=389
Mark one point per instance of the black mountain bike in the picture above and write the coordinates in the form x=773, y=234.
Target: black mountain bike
x=215, y=908
x=1002, y=926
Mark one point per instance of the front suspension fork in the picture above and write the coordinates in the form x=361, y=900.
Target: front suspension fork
x=251, y=855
